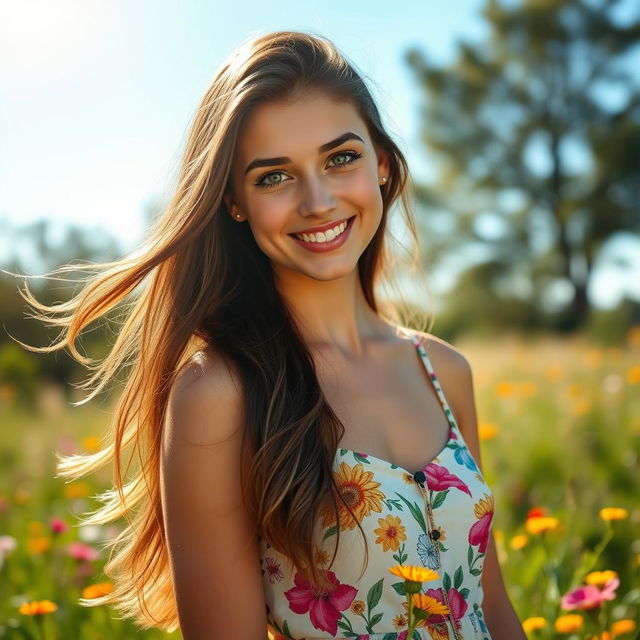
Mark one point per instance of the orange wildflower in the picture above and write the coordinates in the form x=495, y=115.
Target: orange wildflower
x=569, y=623
x=37, y=607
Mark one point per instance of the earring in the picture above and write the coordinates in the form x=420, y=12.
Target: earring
x=384, y=178
x=237, y=215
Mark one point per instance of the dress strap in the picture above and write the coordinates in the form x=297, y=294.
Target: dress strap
x=434, y=379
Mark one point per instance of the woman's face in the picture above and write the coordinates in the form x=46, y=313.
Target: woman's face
x=303, y=164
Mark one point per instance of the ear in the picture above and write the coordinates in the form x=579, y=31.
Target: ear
x=230, y=202
x=383, y=164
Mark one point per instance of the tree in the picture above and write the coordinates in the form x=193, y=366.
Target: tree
x=538, y=132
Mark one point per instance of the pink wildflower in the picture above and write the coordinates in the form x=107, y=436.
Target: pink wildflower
x=58, y=525
x=589, y=596
x=81, y=551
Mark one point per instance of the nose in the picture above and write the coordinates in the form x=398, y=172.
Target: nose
x=316, y=198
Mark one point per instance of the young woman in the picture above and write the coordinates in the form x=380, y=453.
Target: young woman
x=293, y=442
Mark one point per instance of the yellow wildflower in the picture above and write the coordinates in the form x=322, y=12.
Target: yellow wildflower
x=505, y=389
x=633, y=375
x=414, y=573
x=620, y=627
x=91, y=443
x=487, y=430
x=569, y=623
x=39, y=544
x=533, y=624
x=76, y=490
x=598, y=578
x=429, y=605
x=519, y=541
x=613, y=513
x=540, y=524
x=97, y=590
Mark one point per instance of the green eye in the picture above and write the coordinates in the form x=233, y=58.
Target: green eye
x=263, y=181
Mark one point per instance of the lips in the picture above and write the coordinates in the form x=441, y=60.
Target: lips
x=329, y=245
x=324, y=227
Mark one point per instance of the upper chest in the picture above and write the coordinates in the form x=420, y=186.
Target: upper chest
x=387, y=404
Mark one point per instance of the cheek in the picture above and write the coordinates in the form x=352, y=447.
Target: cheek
x=363, y=191
x=269, y=214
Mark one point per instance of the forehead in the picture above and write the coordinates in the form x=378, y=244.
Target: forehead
x=298, y=125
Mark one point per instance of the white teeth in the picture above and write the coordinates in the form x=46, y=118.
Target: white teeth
x=325, y=236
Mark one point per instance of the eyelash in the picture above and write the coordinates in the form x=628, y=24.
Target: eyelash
x=354, y=155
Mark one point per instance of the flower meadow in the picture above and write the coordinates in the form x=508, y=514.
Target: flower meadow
x=559, y=423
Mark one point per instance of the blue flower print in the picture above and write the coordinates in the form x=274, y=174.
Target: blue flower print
x=463, y=457
x=427, y=551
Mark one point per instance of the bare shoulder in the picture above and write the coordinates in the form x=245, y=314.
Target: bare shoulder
x=456, y=379
x=449, y=362
x=207, y=385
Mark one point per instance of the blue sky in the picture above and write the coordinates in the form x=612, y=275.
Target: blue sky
x=97, y=96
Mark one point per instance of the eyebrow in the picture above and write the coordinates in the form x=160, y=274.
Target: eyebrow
x=327, y=146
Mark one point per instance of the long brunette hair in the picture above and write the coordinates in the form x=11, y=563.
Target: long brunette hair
x=200, y=279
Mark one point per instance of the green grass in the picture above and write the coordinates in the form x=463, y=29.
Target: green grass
x=567, y=436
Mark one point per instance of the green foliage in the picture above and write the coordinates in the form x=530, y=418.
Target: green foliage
x=536, y=131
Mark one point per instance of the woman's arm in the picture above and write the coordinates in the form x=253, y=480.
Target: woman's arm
x=457, y=381
x=213, y=553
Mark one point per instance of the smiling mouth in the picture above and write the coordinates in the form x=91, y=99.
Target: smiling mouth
x=321, y=237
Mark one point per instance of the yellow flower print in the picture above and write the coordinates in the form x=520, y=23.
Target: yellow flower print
x=390, y=533
x=483, y=506
x=408, y=478
x=438, y=631
x=443, y=536
x=359, y=491
x=400, y=621
x=358, y=607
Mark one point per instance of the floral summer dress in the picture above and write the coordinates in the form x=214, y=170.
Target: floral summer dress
x=438, y=517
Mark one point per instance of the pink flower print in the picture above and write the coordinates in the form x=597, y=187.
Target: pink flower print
x=325, y=605
x=589, y=596
x=273, y=569
x=439, y=479
x=479, y=532
x=457, y=605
